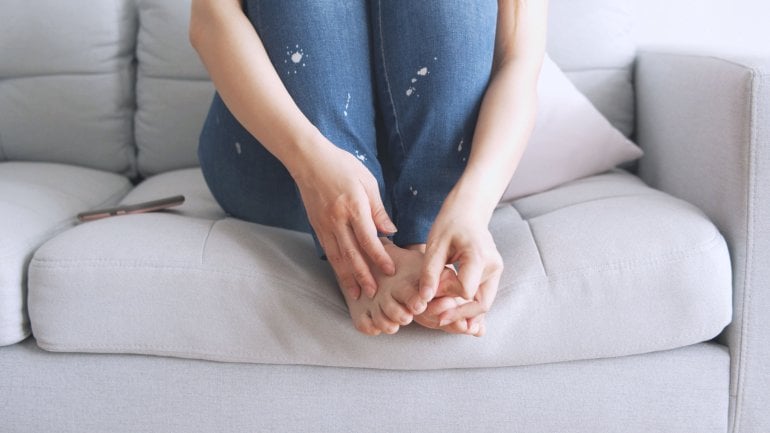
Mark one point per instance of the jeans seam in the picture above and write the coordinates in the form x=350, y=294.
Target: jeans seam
x=385, y=77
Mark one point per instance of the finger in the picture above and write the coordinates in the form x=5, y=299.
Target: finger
x=456, y=327
x=366, y=234
x=479, y=328
x=471, y=269
x=352, y=256
x=341, y=269
x=463, y=312
x=382, y=322
x=380, y=216
x=484, y=299
x=435, y=260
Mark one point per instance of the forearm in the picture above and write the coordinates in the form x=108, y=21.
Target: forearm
x=503, y=128
x=246, y=80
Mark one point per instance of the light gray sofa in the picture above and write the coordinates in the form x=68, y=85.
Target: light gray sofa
x=612, y=309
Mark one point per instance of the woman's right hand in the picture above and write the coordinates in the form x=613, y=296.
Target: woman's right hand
x=344, y=207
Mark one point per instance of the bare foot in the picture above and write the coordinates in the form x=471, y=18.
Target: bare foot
x=389, y=309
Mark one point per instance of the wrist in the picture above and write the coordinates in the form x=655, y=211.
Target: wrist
x=477, y=192
x=303, y=153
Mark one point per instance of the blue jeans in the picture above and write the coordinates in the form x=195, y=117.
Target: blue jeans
x=397, y=83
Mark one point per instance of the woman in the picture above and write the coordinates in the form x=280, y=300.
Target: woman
x=387, y=129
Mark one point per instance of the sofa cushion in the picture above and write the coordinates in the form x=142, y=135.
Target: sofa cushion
x=173, y=89
x=38, y=200
x=593, y=42
x=570, y=139
x=599, y=267
x=67, y=81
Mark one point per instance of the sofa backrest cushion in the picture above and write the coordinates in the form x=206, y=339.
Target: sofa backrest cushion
x=173, y=88
x=66, y=82
x=592, y=41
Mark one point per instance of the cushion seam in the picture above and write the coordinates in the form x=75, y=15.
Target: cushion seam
x=652, y=262
x=248, y=357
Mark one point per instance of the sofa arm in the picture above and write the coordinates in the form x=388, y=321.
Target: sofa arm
x=704, y=124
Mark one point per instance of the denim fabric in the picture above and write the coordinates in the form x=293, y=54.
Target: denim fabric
x=397, y=83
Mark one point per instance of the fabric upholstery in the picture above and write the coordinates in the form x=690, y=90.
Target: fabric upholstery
x=66, y=83
x=590, y=266
x=704, y=122
x=592, y=41
x=682, y=391
x=38, y=200
x=570, y=140
x=173, y=91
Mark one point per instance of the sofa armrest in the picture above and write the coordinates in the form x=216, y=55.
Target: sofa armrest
x=704, y=124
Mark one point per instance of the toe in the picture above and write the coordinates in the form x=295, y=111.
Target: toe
x=365, y=325
x=382, y=322
x=397, y=312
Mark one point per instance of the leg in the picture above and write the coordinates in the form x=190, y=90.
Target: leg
x=320, y=50
x=432, y=62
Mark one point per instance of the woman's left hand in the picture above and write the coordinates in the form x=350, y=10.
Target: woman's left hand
x=461, y=236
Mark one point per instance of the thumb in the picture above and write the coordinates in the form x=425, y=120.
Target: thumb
x=435, y=260
x=380, y=215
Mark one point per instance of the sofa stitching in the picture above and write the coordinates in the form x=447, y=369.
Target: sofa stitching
x=537, y=247
x=550, y=211
x=206, y=240
x=652, y=262
x=203, y=353
x=755, y=84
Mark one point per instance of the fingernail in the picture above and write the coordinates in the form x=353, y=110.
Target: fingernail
x=419, y=307
x=475, y=328
x=426, y=292
x=392, y=227
x=389, y=269
x=443, y=322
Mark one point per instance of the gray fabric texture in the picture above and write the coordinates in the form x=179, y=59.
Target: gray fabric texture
x=603, y=266
x=704, y=123
x=67, y=82
x=38, y=200
x=592, y=41
x=682, y=391
x=173, y=89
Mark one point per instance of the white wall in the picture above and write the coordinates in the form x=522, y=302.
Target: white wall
x=736, y=25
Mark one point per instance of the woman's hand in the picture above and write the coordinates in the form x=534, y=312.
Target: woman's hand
x=344, y=207
x=460, y=236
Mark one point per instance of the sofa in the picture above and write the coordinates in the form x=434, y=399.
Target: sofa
x=632, y=300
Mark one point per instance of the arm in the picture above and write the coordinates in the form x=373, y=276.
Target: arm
x=505, y=121
x=704, y=125
x=341, y=197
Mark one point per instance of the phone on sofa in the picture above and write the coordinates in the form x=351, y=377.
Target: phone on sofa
x=147, y=206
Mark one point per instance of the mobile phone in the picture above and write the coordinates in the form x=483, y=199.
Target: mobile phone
x=147, y=206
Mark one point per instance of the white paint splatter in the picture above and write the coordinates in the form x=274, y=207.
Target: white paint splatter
x=460, y=146
x=435, y=58
x=465, y=159
x=423, y=71
x=414, y=191
x=347, y=103
x=296, y=57
x=238, y=148
x=414, y=80
x=409, y=91
x=361, y=157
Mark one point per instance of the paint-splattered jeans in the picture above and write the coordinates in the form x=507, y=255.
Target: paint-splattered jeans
x=397, y=83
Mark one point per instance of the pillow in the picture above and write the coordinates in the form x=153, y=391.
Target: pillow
x=570, y=140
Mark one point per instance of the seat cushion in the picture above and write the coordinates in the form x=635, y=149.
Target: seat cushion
x=38, y=200
x=599, y=267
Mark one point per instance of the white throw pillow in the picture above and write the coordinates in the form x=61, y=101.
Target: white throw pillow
x=571, y=139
